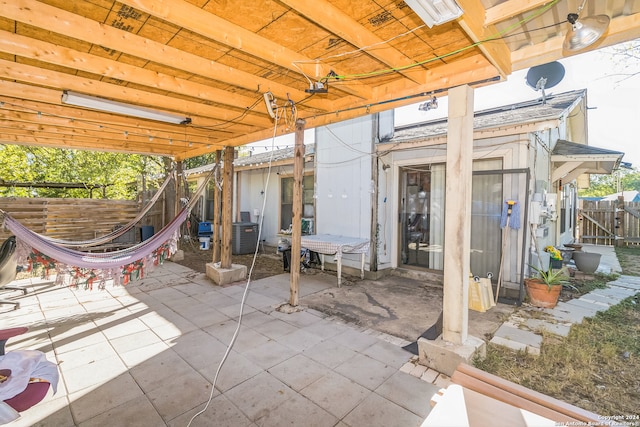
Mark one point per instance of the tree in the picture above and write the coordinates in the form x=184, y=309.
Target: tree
x=624, y=179
x=115, y=175
x=626, y=57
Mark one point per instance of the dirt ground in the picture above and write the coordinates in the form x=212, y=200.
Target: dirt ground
x=398, y=306
x=268, y=263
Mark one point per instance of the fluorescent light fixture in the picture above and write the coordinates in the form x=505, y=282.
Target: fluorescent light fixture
x=435, y=12
x=106, y=105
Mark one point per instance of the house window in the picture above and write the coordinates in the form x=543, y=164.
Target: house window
x=308, y=206
x=209, y=200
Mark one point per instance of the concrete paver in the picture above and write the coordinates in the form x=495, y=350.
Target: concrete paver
x=556, y=328
x=559, y=319
x=148, y=354
x=517, y=339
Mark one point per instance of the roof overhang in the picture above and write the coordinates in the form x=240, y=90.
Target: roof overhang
x=570, y=160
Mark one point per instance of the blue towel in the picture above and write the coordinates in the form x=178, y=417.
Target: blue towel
x=511, y=210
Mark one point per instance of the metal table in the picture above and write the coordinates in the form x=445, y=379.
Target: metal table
x=329, y=244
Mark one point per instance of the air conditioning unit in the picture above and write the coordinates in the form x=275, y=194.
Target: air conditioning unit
x=244, y=238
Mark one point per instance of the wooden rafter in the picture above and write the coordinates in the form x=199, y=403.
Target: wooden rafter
x=214, y=62
x=191, y=17
x=486, y=36
x=509, y=9
x=349, y=29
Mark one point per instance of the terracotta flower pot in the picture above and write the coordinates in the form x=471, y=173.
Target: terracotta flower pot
x=540, y=295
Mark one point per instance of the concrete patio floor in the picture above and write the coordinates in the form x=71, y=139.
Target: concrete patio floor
x=147, y=354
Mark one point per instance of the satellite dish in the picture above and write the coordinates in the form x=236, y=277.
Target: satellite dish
x=545, y=76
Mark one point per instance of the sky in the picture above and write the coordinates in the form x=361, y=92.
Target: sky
x=613, y=102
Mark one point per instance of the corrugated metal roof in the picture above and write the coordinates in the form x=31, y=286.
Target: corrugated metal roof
x=519, y=113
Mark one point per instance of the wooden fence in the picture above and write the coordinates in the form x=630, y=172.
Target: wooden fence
x=609, y=222
x=77, y=219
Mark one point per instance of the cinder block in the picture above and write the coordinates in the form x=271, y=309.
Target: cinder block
x=223, y=276
x=445, y=357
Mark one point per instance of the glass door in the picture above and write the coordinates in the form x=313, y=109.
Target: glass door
x=415, y=216
x=422, y=216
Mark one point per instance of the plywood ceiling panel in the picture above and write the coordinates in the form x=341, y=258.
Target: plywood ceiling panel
x=215, y=59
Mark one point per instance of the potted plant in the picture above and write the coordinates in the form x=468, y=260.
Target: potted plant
x=544, y=289
x=555, y=255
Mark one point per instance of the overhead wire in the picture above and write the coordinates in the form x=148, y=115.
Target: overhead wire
x=493, y=37
x=229, y=122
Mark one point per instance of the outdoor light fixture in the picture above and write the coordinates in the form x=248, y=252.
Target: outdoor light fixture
x=95, y=103
x=584, y=32
x=435, y=12
x=271, y=104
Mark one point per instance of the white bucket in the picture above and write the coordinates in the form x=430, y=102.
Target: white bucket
x=204, y=243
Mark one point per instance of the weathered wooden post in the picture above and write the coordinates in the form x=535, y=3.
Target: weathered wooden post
x=296, y=223
x=217, y=205
x=227, y=208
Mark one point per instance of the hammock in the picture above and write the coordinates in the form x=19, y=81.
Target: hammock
x=103, y=261
x=77, y=265
x=117, y=232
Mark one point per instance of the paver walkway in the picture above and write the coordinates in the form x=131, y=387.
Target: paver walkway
x=522, y=332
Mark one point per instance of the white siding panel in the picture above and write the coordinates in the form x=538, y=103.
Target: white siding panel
x=343, y=178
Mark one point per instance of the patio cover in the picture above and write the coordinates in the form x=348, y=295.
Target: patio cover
x=570, y=160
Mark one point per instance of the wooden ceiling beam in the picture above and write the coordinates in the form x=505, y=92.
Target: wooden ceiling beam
x=469, y=70
x=186, y=15
x=337, y=22
x=398, y=94
x=41, y=100
x=59, y=21
x=50, y=53
x=509, y=9
x=85, y=144
x=621, y=28
x=22, y=111
x=34, y=124
x=54, y=140
x=487, y=38
x=198, y=112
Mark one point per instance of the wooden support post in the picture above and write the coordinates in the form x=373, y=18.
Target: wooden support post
x=217, y=205
x=178, y=187
x=227, y=208
x=296, y=223
x=373, y=233
x=618, y=219
x=457, y=227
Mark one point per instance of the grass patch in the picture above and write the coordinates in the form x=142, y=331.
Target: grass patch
x=596, y=367
x=628, y=257
x=579, y=287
